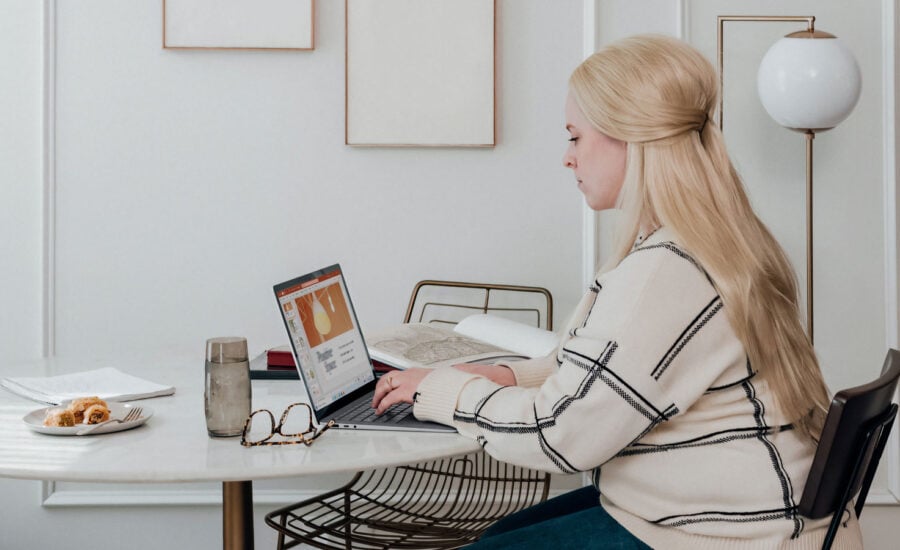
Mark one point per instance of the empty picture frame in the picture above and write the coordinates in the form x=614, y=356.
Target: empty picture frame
x=239, y=24
x=420, y=73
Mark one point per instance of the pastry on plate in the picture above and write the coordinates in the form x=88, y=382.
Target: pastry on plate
x=96, y=414
x=59, y=418
x=80, y=405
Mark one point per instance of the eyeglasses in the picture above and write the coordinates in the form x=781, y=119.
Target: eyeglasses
x=295, y=423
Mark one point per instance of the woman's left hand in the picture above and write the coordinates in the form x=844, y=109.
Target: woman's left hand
x=397, y=387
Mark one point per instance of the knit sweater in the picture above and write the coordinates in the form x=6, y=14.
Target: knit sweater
x=651, y=387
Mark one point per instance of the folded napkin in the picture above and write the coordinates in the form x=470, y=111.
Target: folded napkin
x=107, y=383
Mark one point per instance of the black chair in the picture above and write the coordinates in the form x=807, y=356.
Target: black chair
x=445, y=503
x=856, y=430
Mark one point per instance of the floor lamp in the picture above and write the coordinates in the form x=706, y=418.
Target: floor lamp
x=808, y=82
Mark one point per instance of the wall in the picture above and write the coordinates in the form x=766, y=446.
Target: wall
x=182, y=185
x=202, y=178
x=186, y=183
x=20, y=187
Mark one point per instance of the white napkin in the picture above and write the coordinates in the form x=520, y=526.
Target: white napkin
x=107, y=383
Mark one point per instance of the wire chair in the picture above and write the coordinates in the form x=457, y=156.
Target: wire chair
x=445, y=503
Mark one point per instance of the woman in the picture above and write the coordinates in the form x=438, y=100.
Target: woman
x=684, y=374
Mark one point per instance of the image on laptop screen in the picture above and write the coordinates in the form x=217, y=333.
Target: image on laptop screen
x=328, y=344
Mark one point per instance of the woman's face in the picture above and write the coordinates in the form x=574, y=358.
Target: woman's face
x=597, y=160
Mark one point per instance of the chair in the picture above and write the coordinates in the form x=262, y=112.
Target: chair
x=856, y=429
x=444, y=503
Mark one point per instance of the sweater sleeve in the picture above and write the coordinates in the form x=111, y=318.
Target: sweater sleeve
x=646, y=349
x=533, y=372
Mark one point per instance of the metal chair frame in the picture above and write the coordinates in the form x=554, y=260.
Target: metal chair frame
x=444, y=503
x=485, y=307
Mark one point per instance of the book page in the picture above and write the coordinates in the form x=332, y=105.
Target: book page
x=426, y=345
x=517, y=337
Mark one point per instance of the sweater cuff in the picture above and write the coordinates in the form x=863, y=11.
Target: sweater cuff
x=532, y=374
x=438, y=394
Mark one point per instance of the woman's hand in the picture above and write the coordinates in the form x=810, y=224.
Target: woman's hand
x=497, y=374
x=398, y=386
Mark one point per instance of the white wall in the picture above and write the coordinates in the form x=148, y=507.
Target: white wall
x=21, y=69
x=187, y=183
x=199, y=179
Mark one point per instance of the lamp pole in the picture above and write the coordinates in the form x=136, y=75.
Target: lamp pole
x=808, y=85
x=810, y=135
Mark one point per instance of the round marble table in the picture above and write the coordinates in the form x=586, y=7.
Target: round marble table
x=173, y=445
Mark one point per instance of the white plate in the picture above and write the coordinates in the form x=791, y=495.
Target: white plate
x=35, y=420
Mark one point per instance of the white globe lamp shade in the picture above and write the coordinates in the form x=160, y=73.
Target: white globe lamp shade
x=809, y=81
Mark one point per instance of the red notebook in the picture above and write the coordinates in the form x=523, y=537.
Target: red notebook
x=280, y=358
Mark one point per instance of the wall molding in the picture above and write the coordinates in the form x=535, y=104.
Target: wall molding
x=590, y=222
x=881, y=497
x=48, y=176
x=683, y=15
x=889, y=176
x=59, y=496
x=51, y=497
x=144, y=496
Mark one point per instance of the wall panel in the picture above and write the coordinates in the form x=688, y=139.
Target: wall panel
x=188, y=182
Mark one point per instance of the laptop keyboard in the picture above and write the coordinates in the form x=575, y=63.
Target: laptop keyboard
x=363, y=412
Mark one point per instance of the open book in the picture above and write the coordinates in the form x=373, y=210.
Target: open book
x=476, y=339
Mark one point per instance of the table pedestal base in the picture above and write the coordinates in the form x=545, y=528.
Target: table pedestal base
x=237, y=515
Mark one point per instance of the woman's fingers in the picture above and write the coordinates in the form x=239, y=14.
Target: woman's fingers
x=397, y=387
x=382, y=388
x=390, y=400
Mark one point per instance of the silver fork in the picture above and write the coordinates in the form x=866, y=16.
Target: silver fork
x=133, y=414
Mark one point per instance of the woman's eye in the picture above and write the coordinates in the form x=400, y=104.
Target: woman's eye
x=573, y=139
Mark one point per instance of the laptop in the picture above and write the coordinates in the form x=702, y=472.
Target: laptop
x=331, y=355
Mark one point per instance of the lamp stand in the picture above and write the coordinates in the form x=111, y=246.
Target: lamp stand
x=810, y=135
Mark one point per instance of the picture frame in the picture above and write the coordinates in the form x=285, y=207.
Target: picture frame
x=238, y=25
x=420, y=73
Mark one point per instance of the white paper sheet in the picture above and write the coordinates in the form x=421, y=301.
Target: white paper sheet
x=107, y=383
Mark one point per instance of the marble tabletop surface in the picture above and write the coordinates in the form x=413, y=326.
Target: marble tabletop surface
x=173, y=445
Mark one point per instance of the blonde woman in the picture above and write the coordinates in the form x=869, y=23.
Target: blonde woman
x=684, y=381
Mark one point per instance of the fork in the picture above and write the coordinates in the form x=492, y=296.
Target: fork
x=133, y=414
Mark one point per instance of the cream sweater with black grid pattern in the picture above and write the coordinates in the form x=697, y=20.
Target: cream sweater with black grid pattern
x=650, y=386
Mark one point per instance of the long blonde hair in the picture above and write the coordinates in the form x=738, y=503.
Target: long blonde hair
x=659, y=94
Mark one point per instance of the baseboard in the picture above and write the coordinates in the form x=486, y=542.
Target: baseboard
x=882, y=497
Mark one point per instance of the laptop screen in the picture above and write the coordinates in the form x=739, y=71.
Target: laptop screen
x=328, y=344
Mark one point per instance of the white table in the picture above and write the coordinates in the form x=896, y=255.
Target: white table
x=173, y=446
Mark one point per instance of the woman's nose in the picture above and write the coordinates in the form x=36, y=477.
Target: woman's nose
x=568, y=160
